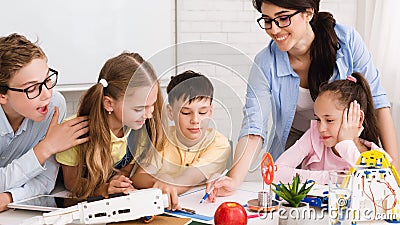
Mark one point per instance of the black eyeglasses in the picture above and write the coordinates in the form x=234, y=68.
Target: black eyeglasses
x=280, y=21
x=34, y=90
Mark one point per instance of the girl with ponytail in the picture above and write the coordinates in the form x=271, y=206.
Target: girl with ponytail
x=345, y=125
x=124, y=110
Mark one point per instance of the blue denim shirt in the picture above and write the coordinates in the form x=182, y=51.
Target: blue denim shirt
x=273, y=88
x=20, y=172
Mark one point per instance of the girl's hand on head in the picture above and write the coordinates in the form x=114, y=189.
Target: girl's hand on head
x=120, y=184
x=351, y=126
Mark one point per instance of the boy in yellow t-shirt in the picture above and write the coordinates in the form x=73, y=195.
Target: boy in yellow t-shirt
x=194, y=151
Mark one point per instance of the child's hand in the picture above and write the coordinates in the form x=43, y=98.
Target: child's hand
x=351, y=126
x=60, y=137
x=166, y=184
x=5, y=198
x=119, y=184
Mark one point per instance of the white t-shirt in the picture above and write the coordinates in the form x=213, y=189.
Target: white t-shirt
x=304, y=110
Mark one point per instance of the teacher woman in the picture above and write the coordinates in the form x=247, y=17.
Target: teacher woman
x=307, y=48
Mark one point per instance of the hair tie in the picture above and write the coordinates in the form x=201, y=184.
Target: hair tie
x=351, y=78
x=103, y=82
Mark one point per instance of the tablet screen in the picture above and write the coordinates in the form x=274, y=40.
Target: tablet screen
x=44, y=203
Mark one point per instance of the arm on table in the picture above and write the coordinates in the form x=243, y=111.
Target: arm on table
x=117, y=184
x=168, y=185
x=247, y=148
x=41, y=184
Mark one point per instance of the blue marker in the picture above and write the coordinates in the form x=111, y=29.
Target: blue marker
x=212, y=188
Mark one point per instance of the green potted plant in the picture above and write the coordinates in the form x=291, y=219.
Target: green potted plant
x=293, y=194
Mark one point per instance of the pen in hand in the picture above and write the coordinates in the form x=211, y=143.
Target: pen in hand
x=212, y=187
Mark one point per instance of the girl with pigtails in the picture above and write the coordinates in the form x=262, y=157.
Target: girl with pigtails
x=124, y=110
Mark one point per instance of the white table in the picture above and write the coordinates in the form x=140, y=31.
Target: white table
x=15, y=217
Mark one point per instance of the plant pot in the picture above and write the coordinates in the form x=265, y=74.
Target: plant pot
x=289, y=215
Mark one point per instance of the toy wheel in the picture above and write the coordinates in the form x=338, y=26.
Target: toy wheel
x=267, y=168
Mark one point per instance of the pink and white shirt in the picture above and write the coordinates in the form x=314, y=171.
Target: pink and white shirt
x=315, y=158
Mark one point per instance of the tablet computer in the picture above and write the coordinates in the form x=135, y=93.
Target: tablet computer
x=45, y=203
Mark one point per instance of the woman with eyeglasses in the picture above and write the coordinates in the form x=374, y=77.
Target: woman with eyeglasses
x=307, y=48
x=29, y=115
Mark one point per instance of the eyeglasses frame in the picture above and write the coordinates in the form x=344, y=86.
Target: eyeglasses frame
x=25, y=90
x=276, y=21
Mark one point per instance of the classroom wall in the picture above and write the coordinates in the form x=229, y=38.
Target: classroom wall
x=231, y=22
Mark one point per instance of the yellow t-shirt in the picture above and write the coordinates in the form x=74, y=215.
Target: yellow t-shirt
x=118, y=150
x=209, y=155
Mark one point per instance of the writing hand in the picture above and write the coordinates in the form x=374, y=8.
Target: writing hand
x=224, y=187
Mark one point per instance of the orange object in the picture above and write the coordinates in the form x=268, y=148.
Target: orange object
x=267, y=168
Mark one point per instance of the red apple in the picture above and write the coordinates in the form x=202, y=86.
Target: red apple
x=230, y=213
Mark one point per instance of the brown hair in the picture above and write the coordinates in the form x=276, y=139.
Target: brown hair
x=325, y=45
x=15, y=52
x=95, y=164
x=346, y=92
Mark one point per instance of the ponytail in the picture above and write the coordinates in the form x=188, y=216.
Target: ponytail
x=371, y=131
x=94, y=165
x=323, y=51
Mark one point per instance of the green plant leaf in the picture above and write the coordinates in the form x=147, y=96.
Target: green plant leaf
x=293, y=203
x=299, y=198
x=295, y=184
x=286, y=191
x=291, y=192
x=306, y=190
x=303, y=187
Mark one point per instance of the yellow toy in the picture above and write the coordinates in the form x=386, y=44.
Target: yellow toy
x=377, y=158
x=376, y=193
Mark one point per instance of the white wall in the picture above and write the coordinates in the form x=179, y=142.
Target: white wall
x=231, y=22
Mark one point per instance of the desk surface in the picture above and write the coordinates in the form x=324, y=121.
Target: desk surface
x=14, y=217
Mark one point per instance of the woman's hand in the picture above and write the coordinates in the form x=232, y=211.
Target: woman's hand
x=223, y=187
x=351, y=126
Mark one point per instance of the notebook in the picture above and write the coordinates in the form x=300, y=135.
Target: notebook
x=205, y=211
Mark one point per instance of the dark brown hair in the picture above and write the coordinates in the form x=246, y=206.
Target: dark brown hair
x=325, y=45
x=189, y=85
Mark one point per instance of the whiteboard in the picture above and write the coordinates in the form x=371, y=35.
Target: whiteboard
x=78, y=36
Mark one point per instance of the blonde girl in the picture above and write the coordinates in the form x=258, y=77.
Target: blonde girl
x=124, y=106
